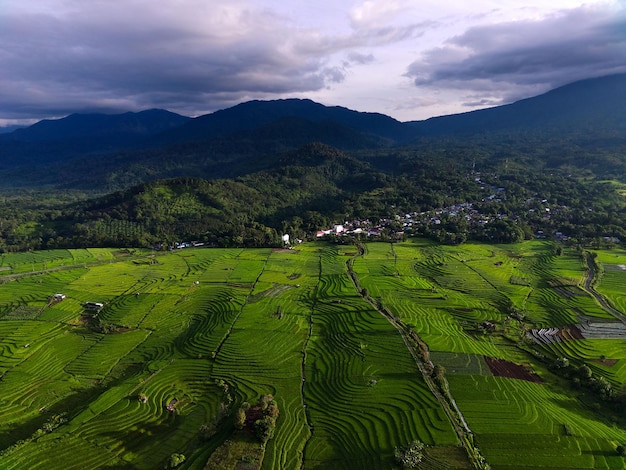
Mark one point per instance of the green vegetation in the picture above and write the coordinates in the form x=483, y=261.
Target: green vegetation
x=301, y=191
x=411, y=455
x=323, y=355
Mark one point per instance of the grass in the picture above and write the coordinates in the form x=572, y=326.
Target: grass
x=212, y=328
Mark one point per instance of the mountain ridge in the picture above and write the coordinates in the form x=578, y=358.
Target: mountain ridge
x=600, y=95
x=146, y=122
x=255, y=114
x=588, y=115
x=577, y=103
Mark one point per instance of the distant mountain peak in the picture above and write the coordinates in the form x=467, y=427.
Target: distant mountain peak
x=254, y=134
x=98, y=127
x=576, y=106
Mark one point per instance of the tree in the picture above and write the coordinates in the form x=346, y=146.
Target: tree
x=585, y=372
x=264, y=428
x=272, y=410
x=621, y=450
x=602, y=385
x=240, y=418
x=175, y=460
x=411, y=455
x=264, y=401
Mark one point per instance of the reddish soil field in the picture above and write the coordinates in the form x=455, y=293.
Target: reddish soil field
x=570, y=332
x=606, y=362
x=502, y=368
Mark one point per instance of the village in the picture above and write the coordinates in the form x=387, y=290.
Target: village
x=490, y=219
x=454, y=223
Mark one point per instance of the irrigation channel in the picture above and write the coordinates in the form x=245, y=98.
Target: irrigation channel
x=589, y=281
x=421, y=357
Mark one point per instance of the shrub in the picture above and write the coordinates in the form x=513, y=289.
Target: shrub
x=240, y=418
x=175, y=460
x=411, y=455
x=264, y=428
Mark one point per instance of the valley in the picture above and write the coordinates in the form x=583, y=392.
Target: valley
x=268, y=235
x=288, y=285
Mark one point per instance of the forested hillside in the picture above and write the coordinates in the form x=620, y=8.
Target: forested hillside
x=317, y=186
x=549, y=165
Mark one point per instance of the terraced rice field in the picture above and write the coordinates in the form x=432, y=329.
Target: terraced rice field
x=203, y=330
x=613, y=280
x=519, y=417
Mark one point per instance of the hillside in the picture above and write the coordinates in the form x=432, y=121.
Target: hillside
x=257, y=115
x=263, y=169
x=78, y=134
x=586, y=109
x=302, y=191
x=581, y=125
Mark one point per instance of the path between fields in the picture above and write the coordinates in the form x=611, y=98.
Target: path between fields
x=591, y=276
x=456, y=417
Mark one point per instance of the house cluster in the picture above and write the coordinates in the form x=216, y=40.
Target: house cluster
x=468, y=212
x=176, y=245
x=356, y=227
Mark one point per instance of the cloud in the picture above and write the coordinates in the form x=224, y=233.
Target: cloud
x=359, y=58
x=103, y=58
x=371, y=13
x=196, y=56
x=190, y=56
x=503, y=62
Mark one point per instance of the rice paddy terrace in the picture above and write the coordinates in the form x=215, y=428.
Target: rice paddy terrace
x=145, y=356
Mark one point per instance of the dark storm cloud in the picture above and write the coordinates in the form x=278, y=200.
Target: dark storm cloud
x=192, y=57
x=504, y=62
x=55, y=65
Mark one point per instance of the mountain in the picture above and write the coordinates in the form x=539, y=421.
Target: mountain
x=582, y=124
x=79, y=134
x=11, y=128
x=254, y=115
x=109, y=128
x=596, y=105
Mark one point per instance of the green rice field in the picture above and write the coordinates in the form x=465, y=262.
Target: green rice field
x=343, y=337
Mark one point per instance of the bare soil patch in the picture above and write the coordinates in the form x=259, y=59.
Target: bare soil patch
x=570, y=332
x=606, y=362
x=502, y=368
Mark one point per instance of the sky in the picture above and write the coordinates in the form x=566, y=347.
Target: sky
x=409, y=59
